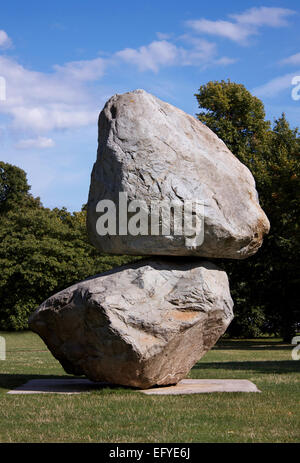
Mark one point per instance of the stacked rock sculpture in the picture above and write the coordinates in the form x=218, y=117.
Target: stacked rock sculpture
x=166, y=187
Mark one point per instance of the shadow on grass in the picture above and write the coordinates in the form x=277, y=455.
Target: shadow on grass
x=264, y=366
x=260, y=344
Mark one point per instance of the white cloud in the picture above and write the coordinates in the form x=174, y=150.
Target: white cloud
x=275, y=86
x=293, y=60
x=232, y=31
x=5, y=41
x=84, y=70
x=164, y=53
x=163, y=36
x=41, y=102
x=264, y=16
x=152, y=56
x=245, y=25
x=39, y=142
x=225, y=61
x=54, y=116
x=201, y=51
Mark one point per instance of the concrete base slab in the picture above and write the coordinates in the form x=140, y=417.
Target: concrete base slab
x=201, y=386
x=186, y=386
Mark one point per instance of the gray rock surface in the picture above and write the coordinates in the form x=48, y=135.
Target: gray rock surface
x=154, y=151
x=139, y=325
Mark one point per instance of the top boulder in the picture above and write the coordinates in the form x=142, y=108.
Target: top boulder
x=152, y=151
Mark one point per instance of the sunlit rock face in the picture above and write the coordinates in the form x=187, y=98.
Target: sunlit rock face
x=153, y=151
x=139, y=325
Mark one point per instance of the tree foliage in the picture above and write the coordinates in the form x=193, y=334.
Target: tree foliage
x=42, y=251
x=264, y=286
x=236, y=116
x=14, y=189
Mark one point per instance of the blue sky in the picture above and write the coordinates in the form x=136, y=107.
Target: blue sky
x=61, y=60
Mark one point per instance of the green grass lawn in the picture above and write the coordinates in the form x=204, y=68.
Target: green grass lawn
x=123, y=415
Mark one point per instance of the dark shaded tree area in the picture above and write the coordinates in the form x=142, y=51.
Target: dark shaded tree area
x=265, y=287
x=42, y=251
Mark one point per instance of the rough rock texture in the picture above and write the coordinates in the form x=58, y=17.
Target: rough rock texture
x=154, y=151
x=139, y=325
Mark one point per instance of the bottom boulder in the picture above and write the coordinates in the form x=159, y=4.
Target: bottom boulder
x=140, y=325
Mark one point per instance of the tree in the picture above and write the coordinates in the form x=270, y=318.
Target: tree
x=236, y=116
x=281, y=253
x=264, y=286
x=42, y=251
x=14, y=189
